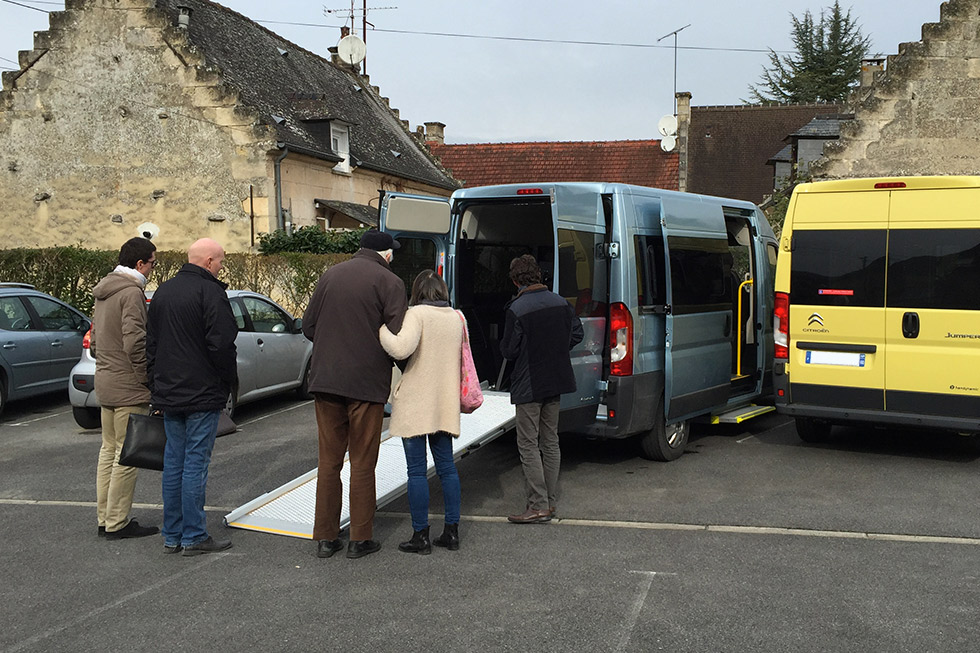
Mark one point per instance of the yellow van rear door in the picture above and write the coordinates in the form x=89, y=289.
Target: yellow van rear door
x=933, y=303
x=837, y=292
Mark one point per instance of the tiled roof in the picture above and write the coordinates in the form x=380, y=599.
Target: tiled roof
x=295, y=91
x=728, y=147
x=822, y=127
x=632, y=162
x=359, y=212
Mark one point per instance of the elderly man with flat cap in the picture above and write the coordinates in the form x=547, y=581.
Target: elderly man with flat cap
x=350, y=378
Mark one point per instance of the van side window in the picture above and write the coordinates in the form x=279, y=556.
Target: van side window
x=580, y=280
x=650, y=285
x=838, y=267
x=934, y=268
x=699, y=270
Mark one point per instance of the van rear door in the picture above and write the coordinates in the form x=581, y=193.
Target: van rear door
x=422, y=226
x=932, y=323
x=698, y=351
x=837, y=296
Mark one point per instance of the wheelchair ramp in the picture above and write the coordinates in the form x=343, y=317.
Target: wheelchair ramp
x=288, y=510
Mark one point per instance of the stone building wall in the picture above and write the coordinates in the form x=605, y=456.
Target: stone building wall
x=920, y=116
x=112, y=122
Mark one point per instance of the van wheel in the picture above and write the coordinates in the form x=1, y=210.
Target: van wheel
x=813, y=430
x=665, y=442
x=87, y=418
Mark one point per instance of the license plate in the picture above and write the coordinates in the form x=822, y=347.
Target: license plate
x=845, y=359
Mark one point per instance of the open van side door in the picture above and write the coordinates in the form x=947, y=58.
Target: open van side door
x=699, y=321
x=422, y=226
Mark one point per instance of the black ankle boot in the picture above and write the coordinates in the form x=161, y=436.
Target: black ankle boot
x=449, y=537
x=418, y=544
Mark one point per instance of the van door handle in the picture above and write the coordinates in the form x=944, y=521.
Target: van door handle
x=10, y=345
x=910, y=325
x=728, y=325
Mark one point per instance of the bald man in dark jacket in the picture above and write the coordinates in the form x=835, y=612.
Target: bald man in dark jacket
x=350, y=377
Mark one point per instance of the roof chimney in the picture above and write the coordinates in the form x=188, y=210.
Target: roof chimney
x=184, y=18
x=435, y=132
x=871, y=69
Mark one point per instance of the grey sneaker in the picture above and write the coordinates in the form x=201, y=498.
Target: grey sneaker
x=209, y=545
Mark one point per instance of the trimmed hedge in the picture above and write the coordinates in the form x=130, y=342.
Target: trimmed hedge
x=70, y=273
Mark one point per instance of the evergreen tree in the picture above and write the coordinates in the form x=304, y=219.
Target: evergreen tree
x=826, y=64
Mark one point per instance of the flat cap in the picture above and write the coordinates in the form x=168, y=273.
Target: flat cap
x=378, y=241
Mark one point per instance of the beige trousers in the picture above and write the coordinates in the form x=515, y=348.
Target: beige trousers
x=114, y=483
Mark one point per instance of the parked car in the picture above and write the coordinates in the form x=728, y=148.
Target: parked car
x=273, y=357
x=40, y=340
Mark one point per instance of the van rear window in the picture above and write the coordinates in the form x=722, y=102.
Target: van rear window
x=934, y=269
x=839, y=267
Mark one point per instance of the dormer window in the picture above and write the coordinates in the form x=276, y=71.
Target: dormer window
x=340, y=144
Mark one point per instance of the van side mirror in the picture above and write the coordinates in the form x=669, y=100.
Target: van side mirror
x=298, y=325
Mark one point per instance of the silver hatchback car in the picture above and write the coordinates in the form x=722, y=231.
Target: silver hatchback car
x=273, y=357
x=40, y=338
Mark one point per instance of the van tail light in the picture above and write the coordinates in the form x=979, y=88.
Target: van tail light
x=780, y=325
x=87, y=340
x=620, y=340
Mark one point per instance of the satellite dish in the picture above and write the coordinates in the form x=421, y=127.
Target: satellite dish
x=351, y=50
x=667, y=125
x=148, y=230
x=668, y=143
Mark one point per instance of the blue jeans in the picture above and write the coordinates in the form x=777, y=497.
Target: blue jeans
x=190, y=440
x=441, y=445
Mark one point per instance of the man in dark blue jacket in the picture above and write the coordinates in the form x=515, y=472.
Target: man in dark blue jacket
x=539, y=330
x=191, y=364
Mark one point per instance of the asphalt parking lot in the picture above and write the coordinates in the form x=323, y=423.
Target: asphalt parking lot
x=752, y=541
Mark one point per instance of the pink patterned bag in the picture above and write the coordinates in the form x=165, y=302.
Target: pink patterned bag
x=470, y=394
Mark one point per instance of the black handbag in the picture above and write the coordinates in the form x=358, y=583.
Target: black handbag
x=145, y=441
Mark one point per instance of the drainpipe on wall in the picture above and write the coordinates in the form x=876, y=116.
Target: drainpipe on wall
x=280, y=223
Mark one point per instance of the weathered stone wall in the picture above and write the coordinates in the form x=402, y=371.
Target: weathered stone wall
x=920, y=117
x=114, y=121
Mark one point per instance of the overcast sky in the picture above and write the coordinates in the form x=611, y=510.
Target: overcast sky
x=497, y=89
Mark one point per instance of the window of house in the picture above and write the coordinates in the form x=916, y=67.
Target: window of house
x=340, y=143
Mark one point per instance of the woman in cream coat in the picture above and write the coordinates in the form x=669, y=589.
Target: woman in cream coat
x=425, y=404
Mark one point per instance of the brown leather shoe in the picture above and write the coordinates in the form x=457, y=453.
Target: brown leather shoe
x=531, y=516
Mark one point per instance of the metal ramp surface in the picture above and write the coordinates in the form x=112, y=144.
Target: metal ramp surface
x=288, y=510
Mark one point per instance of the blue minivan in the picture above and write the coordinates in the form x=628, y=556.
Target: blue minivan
x=674, y=290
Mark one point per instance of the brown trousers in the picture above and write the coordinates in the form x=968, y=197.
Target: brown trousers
x=346, y=424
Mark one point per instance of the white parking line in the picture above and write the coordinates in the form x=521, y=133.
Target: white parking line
x=637, y=607
x=278, y=412
x=603, y=523
x=36, y=419
x=109, y=606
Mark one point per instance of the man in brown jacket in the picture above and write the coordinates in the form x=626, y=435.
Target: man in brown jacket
x=350, y=378
x=118, y=343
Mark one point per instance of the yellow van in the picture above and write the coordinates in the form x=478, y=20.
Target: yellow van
x=877, y=308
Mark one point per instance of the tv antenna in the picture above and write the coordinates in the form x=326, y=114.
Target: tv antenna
x=674, y=34
x=352, y=12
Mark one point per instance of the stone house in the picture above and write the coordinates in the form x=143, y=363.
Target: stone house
x=919, y=117
x=184, y=119
x=640, y=162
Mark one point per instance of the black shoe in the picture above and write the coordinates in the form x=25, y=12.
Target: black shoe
x=449, y=538
x=361, y=548
x=209, y=545
x=132, y=529
x=418, y=544
x=172, y=548
x=101, y=531
x=326, y=548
